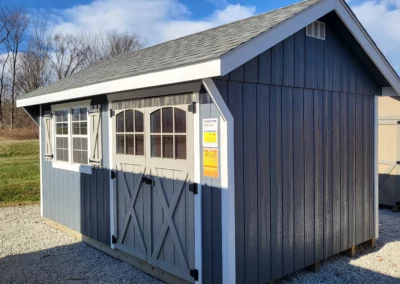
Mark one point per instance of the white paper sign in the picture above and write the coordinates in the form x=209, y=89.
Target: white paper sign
x=210, y=132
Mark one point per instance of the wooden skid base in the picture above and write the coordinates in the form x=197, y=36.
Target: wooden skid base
x=350, y=252
x=140, y=264
x=314, y=267
x=370, y=243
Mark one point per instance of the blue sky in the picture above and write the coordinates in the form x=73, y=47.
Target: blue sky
x=161, y=20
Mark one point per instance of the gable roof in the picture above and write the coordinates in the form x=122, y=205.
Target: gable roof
x=205, y=54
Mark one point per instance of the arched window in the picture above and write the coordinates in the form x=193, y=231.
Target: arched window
x=130, y=133
x=168, y=133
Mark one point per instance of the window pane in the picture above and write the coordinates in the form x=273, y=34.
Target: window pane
x=65, y=142
x=138, y=121
x=65, y=128
x=83, y=112
x=75, y=114
x=65, y=115
x=167, y=120
x=58, y=116
x=65, y=156
x=59, y=155
x=85, y=159
x=75, y=128
x=120, y=144
x=77, y=157
x=77, y=143
x=129, y=121
x=168, y=150
x=59, y=143
x=155, y=122
x=84, y=143
x=156, y=146
x=180, y=147
x=83, y=128
x=59, y=128
x=139, y=144
x=180, y=121
x=120, y=122
x=129, y=144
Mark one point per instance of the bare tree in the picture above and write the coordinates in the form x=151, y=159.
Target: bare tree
x=3, y=85
x=20, y=22
x=33, y=71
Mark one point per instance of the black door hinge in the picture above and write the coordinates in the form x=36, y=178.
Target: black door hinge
x=111, y=113
x=114, y=239
x=193, y=187
x=113, y=174
x=192, y=107
x=195, y=274
x=148, y=180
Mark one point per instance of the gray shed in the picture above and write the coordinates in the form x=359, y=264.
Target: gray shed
x=239, y=154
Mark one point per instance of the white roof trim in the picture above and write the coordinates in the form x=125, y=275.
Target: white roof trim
x=181, y=74
x=234, y=58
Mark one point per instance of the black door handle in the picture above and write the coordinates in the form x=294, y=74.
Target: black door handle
x=148, y=180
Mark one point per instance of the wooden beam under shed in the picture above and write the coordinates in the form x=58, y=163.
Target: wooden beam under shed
x=315, y=267
x=350, y=252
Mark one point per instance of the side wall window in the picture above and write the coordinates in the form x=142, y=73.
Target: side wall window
x=80, y=136
x=62, y=135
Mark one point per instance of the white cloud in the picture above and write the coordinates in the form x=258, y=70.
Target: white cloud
x=381, y=18
x=157, y=20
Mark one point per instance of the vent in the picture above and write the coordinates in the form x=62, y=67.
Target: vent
x=316, y=30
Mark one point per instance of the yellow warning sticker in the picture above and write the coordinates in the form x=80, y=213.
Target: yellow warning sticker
x=210, y=163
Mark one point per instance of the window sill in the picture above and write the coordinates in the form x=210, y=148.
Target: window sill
x=73, y=168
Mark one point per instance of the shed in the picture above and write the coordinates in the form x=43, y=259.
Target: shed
x=239, y=154
x=389, y=150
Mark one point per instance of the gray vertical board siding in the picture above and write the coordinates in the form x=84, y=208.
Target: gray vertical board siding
x=250, y=180
x=310, y=191
x=319, y=175
x=237, y=74
x=251, y=70
x=309, y=172
x=344, y=172
x=288, y=61
x=80, y=201
x=372, y=168
x=365, y=167
x=211, y=206
x=263, y=178
x=298, y=176
x=276, y=180
x=287, y=184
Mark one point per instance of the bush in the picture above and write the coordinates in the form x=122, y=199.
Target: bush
x=27, y=133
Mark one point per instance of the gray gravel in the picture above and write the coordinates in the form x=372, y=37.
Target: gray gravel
x=379, y=265
x=33, y=252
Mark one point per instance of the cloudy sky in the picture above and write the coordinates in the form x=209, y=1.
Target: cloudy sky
x=161, y=20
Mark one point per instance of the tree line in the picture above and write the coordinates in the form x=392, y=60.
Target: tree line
x=33, y=55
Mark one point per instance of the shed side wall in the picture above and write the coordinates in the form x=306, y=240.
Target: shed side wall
x=303, y=114
x=80, y=201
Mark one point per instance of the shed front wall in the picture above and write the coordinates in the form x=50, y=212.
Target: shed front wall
x=76, y=200
x=304, y=162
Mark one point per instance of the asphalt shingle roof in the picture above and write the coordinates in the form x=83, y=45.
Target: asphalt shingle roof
x=195, y=48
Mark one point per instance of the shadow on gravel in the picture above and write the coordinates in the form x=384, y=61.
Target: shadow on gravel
x=338, y=269
x=75, y=263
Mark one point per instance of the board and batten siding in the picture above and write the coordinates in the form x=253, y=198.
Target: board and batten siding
x=76, y=200
x=304, y=162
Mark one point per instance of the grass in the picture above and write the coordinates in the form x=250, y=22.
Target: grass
x=19, y=173
x=26, y=133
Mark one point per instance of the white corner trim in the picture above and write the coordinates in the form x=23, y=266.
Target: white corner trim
x=227, y=185
x=41, y=161
x=242, y=54
x=355, y=27
x=111, y=168
x=376, y=176
x=193, y=72
x=198, y=227
x=73, y=168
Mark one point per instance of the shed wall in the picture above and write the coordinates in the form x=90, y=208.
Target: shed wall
x=80, y=201
x=304, y=163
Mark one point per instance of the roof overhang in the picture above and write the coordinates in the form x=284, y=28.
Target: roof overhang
x=234, y=58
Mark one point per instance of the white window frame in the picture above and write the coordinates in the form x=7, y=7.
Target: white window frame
x=70, y=165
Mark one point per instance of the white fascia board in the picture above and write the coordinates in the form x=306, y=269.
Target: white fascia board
x=193, y=72
x=355, y=27
x=247, y=51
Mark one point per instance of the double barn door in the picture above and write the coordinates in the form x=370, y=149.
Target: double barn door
x=153, y=164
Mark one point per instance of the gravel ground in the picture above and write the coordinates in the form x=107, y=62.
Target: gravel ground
x=33, y=252
x=379, y=265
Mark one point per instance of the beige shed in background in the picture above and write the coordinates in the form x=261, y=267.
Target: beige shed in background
x=389, y=150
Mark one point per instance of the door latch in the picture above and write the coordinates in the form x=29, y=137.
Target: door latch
x=148, y=180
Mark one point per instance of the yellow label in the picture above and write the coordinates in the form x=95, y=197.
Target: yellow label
x=210, y=137
x=210, y=163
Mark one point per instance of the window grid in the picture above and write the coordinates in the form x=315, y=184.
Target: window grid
x=134, y=134
x=79, y=133
x=61, y=135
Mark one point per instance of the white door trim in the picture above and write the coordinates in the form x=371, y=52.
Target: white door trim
x=111, y=167
x=41, y=161
x=227, y=185
x=198, y=214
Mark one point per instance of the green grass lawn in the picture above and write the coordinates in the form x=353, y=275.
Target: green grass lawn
x=19, y=173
